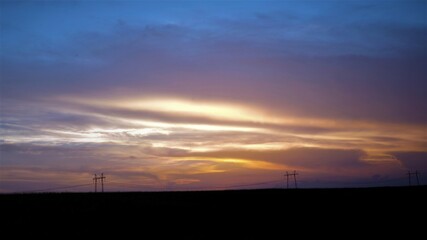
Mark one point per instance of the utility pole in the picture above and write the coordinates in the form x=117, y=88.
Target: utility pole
x=102, y=181
x=287, y=179
x=416, y=177
x=287, y=175
x=96, y=178
x=295, y=178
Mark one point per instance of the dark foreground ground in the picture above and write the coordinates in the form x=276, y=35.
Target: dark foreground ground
x=369, y=207
x=394, y=197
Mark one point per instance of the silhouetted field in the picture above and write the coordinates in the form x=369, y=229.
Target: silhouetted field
x=269, y=200
x=197, y=215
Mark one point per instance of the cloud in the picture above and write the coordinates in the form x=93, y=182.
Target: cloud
x=70, y=164
x=316, y=167
x=165, y=58
x=116, y=121
x=307, y=158
x=412, y=160
x=166, y=92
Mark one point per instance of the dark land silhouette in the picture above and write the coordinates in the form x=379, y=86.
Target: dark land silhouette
x=198, y=214
x=384, y=198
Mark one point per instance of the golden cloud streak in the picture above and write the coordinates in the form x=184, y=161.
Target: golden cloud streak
x=254, y=164
x=226, y=129
x=234, y=112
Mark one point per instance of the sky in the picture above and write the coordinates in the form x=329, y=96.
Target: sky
x=190, y=95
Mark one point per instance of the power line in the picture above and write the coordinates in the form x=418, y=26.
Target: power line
x=58, y=188
x=202, y=188
x=381, y=182
x=253, y=184
x=128, y=184
x=293, y=174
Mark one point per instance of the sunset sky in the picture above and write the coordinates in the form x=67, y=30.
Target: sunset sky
x=178, y=95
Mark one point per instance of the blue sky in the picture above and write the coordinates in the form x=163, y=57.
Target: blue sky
x=217, y=89
x=320, y=28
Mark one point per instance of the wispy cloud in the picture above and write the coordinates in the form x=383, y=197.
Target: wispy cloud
x=188, y=140
x=201, y=94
